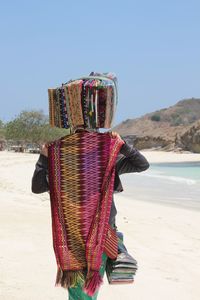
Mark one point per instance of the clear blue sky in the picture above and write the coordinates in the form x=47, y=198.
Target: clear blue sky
x=152, y=46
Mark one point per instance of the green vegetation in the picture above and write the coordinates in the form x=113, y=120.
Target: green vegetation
x=155, y=117
x=32, y=127
x=2, y=130
x=1, y=124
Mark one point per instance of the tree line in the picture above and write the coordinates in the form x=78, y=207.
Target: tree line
x=30, y=127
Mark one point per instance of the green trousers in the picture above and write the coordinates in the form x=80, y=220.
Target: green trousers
x=77, y=293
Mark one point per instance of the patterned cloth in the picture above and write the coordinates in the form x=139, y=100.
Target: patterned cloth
x=88, y=102
x=81, y=179
x=78, y=291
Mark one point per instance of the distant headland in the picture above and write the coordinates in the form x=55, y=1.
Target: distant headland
x=174, y=128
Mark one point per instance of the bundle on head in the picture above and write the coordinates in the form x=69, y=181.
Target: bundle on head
x=89, y=102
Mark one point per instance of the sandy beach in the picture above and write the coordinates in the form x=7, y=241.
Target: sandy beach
x=162, y=156
x=163, y=239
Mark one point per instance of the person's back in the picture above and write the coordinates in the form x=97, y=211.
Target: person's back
x=81, y=171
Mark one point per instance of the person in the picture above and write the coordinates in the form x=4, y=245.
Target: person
x=129, y=160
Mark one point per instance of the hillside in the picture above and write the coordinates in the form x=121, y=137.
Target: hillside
x=190, y=139
x=162, y=128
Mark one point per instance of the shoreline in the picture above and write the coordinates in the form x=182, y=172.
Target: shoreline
x=153, y=156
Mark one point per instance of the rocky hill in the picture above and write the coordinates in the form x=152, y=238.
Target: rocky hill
x=190, y=139
x=166, y=128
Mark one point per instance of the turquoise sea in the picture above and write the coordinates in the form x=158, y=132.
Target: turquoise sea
x=177, y=171
x=168, y=183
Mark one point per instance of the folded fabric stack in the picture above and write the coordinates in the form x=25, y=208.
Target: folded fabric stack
x=123, y=269
x=89, y=102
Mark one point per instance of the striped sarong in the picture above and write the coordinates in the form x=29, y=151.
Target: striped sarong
x=81, y=179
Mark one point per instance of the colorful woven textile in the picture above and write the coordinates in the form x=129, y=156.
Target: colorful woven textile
x=81, y=178
x=89, y=102
x=78, y=291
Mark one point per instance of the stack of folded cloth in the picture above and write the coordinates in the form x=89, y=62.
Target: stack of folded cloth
x=123, y=268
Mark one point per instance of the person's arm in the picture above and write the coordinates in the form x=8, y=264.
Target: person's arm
x=40, y=176
x=131, y=160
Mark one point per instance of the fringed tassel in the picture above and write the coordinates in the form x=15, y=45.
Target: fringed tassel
x=93, y=282
x=59, y=277
x=68, y=279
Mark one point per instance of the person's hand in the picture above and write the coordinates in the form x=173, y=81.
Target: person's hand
x=44, y=150
x=115, y=135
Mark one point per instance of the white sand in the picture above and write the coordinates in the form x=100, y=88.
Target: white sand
x=161, y=156
x=165, y=240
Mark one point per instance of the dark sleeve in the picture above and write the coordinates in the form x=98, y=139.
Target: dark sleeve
x=131, y=160
x=40, y=176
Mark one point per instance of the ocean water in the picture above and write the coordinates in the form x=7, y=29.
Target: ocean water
x=168, y=183
x=187, y=172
